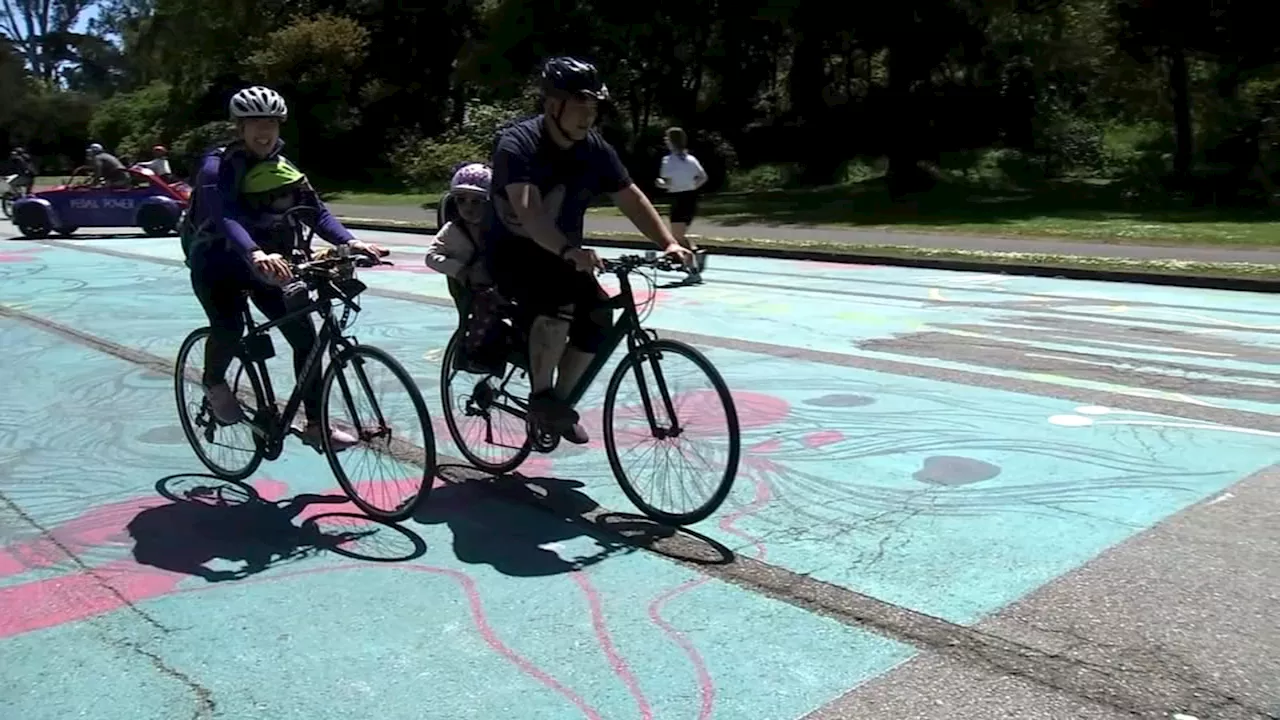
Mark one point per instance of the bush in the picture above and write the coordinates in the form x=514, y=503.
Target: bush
x=770, y=176
x=427, y=163
x=53, y=126
x=186, y=151
x=1072, y=146
x=129, y=123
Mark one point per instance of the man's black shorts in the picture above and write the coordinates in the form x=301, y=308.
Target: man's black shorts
x=541, y=284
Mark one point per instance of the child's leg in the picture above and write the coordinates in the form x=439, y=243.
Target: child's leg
x=461, y=299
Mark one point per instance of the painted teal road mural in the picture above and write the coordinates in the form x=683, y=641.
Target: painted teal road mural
x=941, y=442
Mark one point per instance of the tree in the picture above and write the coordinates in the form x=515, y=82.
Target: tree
x=40, y=31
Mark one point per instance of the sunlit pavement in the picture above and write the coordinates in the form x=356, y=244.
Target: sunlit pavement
x=962, y=496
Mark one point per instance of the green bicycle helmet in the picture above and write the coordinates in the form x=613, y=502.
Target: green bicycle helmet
x=270, y=175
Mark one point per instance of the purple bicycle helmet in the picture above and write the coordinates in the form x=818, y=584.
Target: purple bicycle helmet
x=473, y=178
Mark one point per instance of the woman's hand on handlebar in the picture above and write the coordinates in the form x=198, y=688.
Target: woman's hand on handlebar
x=370, y=249
x=273, y=265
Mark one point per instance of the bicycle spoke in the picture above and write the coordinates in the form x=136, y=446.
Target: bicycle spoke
x=392, y=463
x=229, y=451
x=486, y=414
x=671, y=432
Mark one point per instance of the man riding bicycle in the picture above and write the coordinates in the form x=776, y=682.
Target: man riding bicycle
x=546, y=171
x=24, y=170
x=236, y=243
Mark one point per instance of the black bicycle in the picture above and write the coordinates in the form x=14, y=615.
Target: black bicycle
x=487, y=412
x=407, y=445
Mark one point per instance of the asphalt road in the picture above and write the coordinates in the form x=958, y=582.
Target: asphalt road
x=962, y=495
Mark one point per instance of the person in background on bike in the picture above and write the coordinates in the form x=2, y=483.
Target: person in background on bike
x=107, y=168
x=24, y=168
x=546, y=172
x=681, y=175
x=239, y=245
x=455, y=250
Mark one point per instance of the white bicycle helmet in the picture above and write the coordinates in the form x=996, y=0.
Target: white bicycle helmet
x=258, y=102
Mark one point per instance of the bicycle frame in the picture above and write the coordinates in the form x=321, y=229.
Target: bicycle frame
x=627, y=326
x=329, y=338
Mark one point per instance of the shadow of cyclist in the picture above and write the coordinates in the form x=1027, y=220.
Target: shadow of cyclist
x=519, y=525
x=221, y=520
x=512, y=537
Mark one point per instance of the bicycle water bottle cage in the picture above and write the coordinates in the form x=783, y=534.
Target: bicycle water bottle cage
x=258, y=347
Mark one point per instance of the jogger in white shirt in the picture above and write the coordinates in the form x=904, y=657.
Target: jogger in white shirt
x=681, y=175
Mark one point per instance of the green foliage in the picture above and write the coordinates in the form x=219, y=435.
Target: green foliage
x=52, y=125
x=316, y=50
x=129, y=123
x=313, y=62
x=427, y=163
x=773, y=94
x=193, y=143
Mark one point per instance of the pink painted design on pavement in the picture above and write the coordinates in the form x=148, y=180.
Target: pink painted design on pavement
x=815, y=440
x=616, y=661
x=771, y=445
x=19, y=256
x=493, y=641
x=105, y=525
x=700, y=413
x=89, y=593
x=401, y=266
x=706, y=685
x=50, y=602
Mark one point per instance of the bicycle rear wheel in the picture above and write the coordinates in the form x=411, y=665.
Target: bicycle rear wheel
x=394, y=433
x=232, y=452
x=676, y=401
x=485, y=413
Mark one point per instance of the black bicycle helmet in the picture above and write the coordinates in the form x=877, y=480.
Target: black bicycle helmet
x=571, y=76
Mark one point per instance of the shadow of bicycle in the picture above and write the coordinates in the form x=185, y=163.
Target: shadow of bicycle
x=210, y=523
x=525, y=526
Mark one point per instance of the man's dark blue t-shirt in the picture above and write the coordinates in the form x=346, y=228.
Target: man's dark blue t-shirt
x=568, y=178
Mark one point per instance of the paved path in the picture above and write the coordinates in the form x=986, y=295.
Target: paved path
x=606, y=223
x=962, y=496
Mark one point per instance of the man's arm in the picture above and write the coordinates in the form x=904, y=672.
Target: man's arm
x=643, y=215
x=526, y=200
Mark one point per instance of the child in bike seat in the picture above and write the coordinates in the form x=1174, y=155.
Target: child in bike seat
x=456, y=252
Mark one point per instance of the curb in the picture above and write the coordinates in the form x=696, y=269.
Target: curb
x=983, y=266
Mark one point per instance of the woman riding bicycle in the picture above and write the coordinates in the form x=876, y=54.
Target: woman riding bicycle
x=238, y=245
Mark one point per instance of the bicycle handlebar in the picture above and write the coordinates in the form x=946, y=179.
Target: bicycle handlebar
x=335, y=261
x=629, y=263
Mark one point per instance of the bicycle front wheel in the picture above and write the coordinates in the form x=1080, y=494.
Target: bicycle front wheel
x=674, y=405
x=392, y=466
x=6, y=206
x=232, y=452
